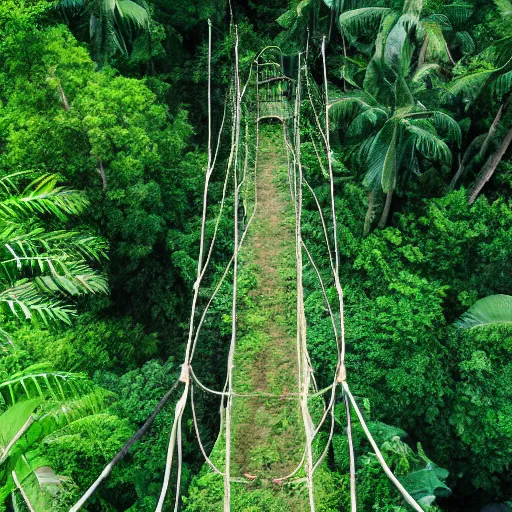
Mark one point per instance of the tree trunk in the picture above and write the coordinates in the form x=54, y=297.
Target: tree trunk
x=423, y=51
x=369, y=213
x=489, y=167
x=63, y=98
x=385, y=212
x=465, y=159
x=101, y=172
x=491, y=132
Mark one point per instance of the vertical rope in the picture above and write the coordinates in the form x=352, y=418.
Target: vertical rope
x=231, y=355
x=341, y=362
x=353, y=492
x=305, y=370
x=408, y=498
x=178, y=413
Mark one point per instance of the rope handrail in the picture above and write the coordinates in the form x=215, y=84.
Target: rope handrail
x=237, y=169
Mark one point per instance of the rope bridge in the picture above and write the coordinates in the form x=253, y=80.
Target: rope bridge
x=269, y=92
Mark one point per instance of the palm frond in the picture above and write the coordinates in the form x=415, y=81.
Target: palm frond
x=358, y=20
x=465, y=41
x=36, y=247
x=80, y=280
x=364, y=149
x=441, y=20
x=71, y=4
x=436, y=49
x=413, y=7
x=349, y=104
x=381, y=163
x=502, y=85
x=458, y=12
x=470, y=85
x=425, y=71
x=491, y=310
x=445, y=123
x=366, y=119
x=24, y=301
x=41, y=382
x=133, y=12
x=428, y=143
x=42, y=196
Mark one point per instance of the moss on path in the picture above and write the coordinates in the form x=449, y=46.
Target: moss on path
x=267, y=431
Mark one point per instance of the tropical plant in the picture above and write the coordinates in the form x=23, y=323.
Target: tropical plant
x=492, y=310
x=432, y=30
x=42, y=263
x=397, y=130
x=492, y=79
x=112, y=23
x=36, y=404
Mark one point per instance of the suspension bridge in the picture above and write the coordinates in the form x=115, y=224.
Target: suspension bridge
x=264, y=181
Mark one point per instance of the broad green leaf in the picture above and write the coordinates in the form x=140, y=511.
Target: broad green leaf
x=491, y=310
x=13, y=419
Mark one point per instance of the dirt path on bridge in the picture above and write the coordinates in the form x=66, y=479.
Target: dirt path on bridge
x=268, y=433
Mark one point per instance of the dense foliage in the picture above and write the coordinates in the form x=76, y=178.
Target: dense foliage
x=103, y=119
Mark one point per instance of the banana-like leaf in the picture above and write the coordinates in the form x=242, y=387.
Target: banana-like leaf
x=134, y=12
x=491, y=310
x=395, y=43
x=14, y=422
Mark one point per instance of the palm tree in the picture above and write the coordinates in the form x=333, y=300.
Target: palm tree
x=494, y=80
x=41, y=262
x=396, y=130
x=112, y=23
x=432, y=30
